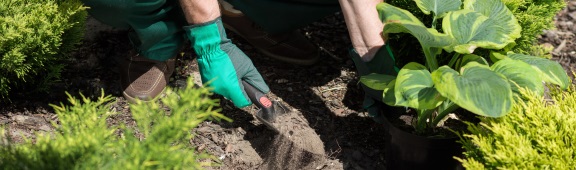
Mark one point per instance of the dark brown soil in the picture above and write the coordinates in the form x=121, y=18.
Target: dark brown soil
x=334, y=132
x=563, y=39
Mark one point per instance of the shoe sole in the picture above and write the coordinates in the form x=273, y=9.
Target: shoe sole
x=277, y=57
x=133, y=100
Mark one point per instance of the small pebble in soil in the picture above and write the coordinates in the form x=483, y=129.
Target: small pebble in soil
x=281, y=81
x=572, y=6
x=339, y=112
x=343, y=73
x=229, y=148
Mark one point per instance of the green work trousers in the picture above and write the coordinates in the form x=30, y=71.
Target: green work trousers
x=277, y=16
x=156, y=25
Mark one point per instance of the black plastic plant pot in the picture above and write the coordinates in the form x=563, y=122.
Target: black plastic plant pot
x=405, y=150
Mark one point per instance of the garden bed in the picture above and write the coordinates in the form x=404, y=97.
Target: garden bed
x=326, y=95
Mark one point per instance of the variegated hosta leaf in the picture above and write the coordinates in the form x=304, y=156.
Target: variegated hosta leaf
x=465, y=27
x=520, y=75
x=428, y=37
x=388, y=96
x=550, y=71
x=388, y=13
x=497, y=11
x=439, y=7
x=376, y=81
x=415, y=89
x=495, y=56
x=482, y=23
x=500, y=18
x=397, y=20
x=471, y=58
x=477, y=89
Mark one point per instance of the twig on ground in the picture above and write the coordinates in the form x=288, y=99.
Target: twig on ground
x=331, y=54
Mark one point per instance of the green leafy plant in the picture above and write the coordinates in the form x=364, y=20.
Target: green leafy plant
x=468, y=80
x=84, y=140
x=35, y=36
x=537, y=134
x=532, y=15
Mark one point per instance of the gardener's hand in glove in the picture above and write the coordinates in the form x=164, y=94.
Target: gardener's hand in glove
x=382, y=63
x=222, y=65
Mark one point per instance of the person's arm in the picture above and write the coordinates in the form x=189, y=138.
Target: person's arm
x=200, y=11
x=364, y=26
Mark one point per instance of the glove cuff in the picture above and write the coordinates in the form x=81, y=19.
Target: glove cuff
x=207, y=37
x=360, y=65
x=218, y=19
x=382, y=63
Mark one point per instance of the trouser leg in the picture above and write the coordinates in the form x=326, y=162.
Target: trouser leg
x=277, y=16
x=156, y=26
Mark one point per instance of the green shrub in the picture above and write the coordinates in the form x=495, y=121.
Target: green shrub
x=83, y=140
x=535, y=135
x=35, y=36
x=534, y=16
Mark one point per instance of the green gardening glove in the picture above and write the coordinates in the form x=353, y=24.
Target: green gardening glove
x=382, y=63
x=222, y=65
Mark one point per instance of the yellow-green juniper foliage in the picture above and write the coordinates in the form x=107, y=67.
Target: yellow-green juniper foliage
x=537, y=134
x=35, y=35
x=534, y=16
x=83, y=139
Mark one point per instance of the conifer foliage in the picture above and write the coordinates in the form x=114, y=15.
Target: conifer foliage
x=84, y=140
x=534, y=16
x=538, y=134
x=35, y=36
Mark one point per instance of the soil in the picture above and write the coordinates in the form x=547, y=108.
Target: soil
x=329, y=128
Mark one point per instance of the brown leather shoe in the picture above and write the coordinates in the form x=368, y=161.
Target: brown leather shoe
x=290, y=47
x=144, y=79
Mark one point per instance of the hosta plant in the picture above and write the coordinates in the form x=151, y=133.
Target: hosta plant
x=532, y=15
x=484, y=83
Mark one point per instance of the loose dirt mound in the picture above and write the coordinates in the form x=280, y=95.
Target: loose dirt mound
x=295, y=129
x=294, y=146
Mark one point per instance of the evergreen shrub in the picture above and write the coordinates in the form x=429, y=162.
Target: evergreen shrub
x=35, y=36
x=84, y=140
x=537, y=134
x=534, y=16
